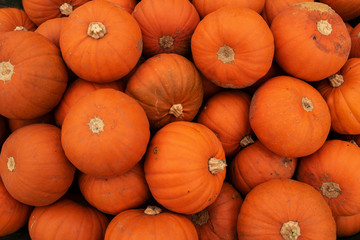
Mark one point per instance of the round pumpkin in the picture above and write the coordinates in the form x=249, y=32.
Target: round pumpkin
x=311, y=41
x=14, y=124
x=347, y=9
x=105, y=133
x=166, y=26
x=168, y=87
x=34, y=76
x=355, y=42
x=285, y=209
x=13, y=19
x=185, y=167
x=150, y=223
x=289, y=116
x=33, y=166
x=51, y=29
x=128, y=5
x=347, y=226
x=233, y=47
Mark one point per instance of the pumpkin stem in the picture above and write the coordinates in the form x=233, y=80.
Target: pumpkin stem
x=330, y=189
x=166, y=41
x=307, y=104
x=336, y=80
x=20, y=28
x=286, y=161
x=96, y=125
x=226, y=54
x=96, y=30
x=290, y=230
x=324, y=27
x=216, y=165
x=6, y=71
x=200, y=218
x=353, y=142
x=11, y=164
x=176, y=110
x=247, y=140
x=66, y=9
x=152, y=210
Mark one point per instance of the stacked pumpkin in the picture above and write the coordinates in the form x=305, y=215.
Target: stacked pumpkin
x=124, y=119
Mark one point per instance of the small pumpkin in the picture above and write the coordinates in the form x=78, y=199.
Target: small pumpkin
x=347, y=226
x=51, y=29
x=128, y=5
x=355, y=42
x=347, y=9
x=14, y=124
x=13, y=19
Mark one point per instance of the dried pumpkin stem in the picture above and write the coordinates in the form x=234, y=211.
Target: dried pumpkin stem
x=166, y=41
x=96, y=30
x=96, y=125
x=290, y=230
x=6, y=71
x=336, y=80
x=176, y=110
x=200, y=218
x=307, y=104
x=66, y=9
x=11, y=163
x=226, y=54
x=152, y=210
x=330, y=189
x=216, y=165
x=247, y=140
x=353, y=142
x=324, y=27
x=20, y=28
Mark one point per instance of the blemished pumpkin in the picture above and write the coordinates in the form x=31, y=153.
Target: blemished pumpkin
x=355, y=42
x=167, y=26
x=101, y=42
x=13, y=19
x=227, y=115
x=256, y=164
x=347, y=9
x=128, y=5
x=51, y=29
x=33, y=75
x=168, y=87
x=150, y=223
x=185, y=167
x=311, y=41
x=285, y=209
x=289, y=116
x=233, y=57
x=105, y=133
x=33, y=166
x=219, y=220
x=325, y=171
x=347, y=226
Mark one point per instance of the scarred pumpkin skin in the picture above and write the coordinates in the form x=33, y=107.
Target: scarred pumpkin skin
x=51, y=29
x=13, y=19
x=347, y=226
x=285, y=209
x=347, y=9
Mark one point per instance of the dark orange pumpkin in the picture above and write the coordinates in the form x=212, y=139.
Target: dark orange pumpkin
x=347, y=9
x=210, y=88
x=355, y=42
x=14, y=124
x=51, y=29
x=13, y=19
x=128, y=5
x=347, y=226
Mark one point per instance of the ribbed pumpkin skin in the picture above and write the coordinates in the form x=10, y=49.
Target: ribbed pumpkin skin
x=67, y=219
x=311, y=41
x=15, y=19
x=286, y=200
x=128, y=5
x=166, y=26
x=347, y=226
x=14, y=124
x=39, y=161
x=347, y=9
x=134, y=224
x=108, y=58
x=51, y=29
x=330, y=164
x=39, y=77
x=177, y=169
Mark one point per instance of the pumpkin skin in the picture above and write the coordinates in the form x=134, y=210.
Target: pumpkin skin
x=14, y=124
x=347, y=226
x=128, y=5
x=13, y=19
x=116, y=194
x=256, y=164
x=222, y=52
x=37, y=76
x=181, y=157
x=164, y=29
x=289, y=117
x=51, y=29
x=152, y=224
x=227, y=115
x=109, y=120
x=48, y=179
x=210, y=88
x=348, y=9
x=168, y=87
x=13, y=214
x=41, y=10
x=291, y=206
x=101, y=27
x=355, y=42
x=325, y=171
x=311, y=41
x=219, y=220
x=67, y=219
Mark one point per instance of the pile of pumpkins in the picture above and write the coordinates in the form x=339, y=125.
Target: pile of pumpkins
x=178, y=119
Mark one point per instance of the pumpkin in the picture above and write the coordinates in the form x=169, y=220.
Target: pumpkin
x=256, y=164
x=67, y=219
x=341, y=92
x=311, y=41
x=105, y=133
x=289, y=116
x=41, y=10
x=128, y=5
x=14, y=124
x=33, y=78
x=325, y=171
x=350, y=28
x=51, y=29
x=33, y=155
x=168, y=87
x=355, y=42
x=116, y=194
x=285, y=209
x=166, y=26
x=347, y=9
x=150, y=223
x=13, y=19
x=101, y=42
x=233, y=57
x=185, y=167
x=210, y=88
x=219, y=220
x=227, y=115
x=347, y=226
x=13, y=214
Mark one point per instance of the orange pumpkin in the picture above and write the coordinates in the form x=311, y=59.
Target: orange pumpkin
x=355, y=42
x=128, y=5
x=185, y=167
x=347, y=9
x=51, y=29
x=311, y=41
x=233, y=57
x=285, y=209
x=13, y=19
x=210, y=88
x=14, y=124
x=347, y=226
